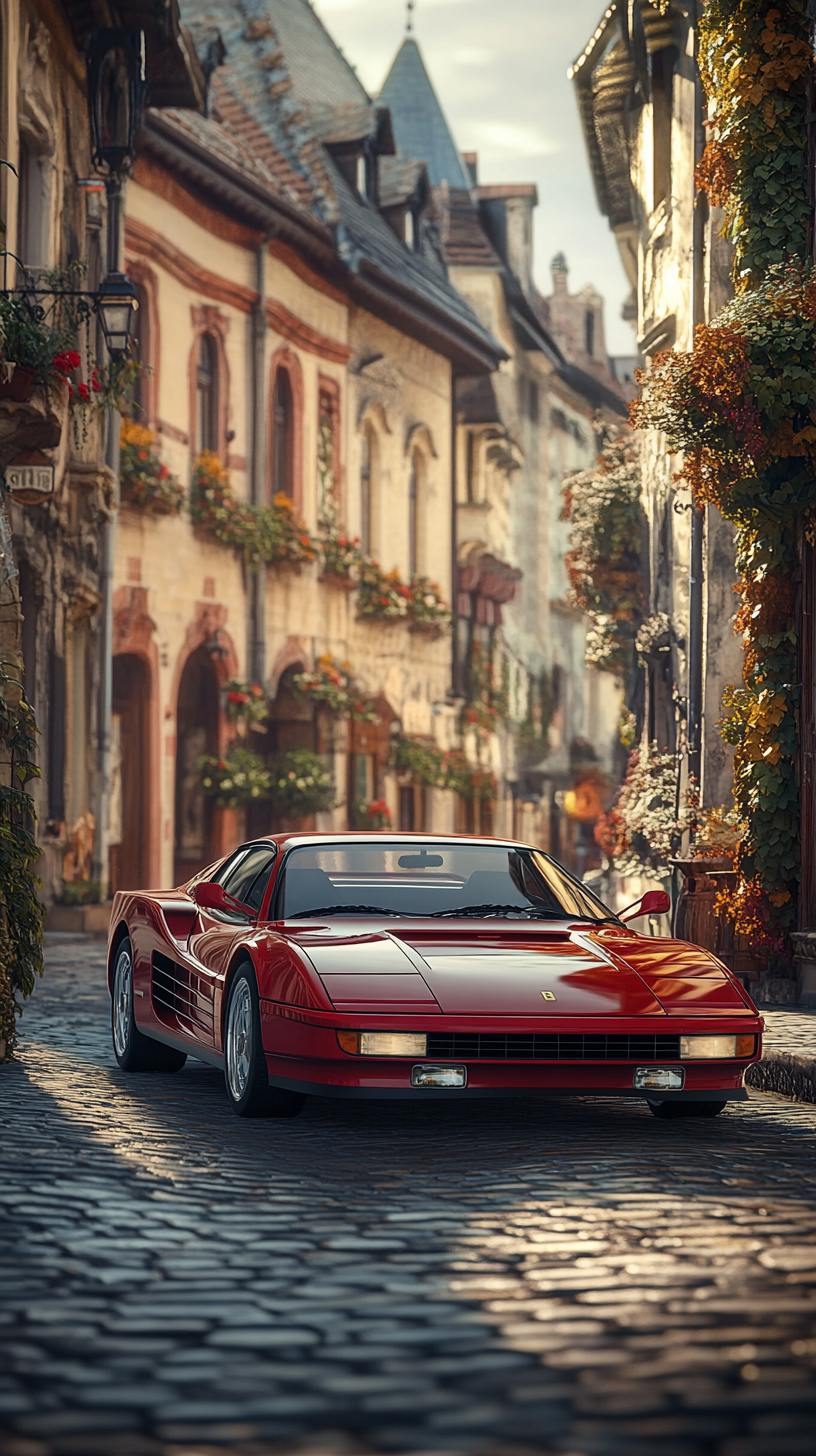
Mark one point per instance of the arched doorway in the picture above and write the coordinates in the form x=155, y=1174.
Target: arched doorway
x=292, y=724
x=197, y=728
x=130, y=781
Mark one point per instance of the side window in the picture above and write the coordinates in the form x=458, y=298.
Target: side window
x=243, y=874
x=255, y=896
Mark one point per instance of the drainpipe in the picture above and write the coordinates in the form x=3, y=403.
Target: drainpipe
x=257, y=485
x=696, y=564
x=114, y=187
x=456, y=689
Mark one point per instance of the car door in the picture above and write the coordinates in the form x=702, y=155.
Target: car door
x=245, y=877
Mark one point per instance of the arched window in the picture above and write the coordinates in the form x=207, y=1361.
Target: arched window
x=283, y=427
x=589, y=331
x=207, y=394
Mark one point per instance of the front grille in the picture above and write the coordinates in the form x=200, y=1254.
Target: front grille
x=550, y=1047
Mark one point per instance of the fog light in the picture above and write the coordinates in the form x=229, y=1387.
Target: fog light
x=439, y=1076
x=384, y=1043
x=708, y=1047
x=667, y=1079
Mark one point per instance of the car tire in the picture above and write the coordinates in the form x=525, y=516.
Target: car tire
x=245, y=1073
x=134, y=1051
x=686, y=1109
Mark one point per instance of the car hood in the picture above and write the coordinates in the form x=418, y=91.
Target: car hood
x=682, y=976
x=470, y=975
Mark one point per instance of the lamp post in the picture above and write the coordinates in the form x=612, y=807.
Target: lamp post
x=117, y=93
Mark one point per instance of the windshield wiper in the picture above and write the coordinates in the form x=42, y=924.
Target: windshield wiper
x=343, y=910
x=488, y=910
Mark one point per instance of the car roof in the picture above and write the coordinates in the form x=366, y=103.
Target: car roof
x=350, y=836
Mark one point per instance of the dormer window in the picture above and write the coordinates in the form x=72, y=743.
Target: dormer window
x=410, y=230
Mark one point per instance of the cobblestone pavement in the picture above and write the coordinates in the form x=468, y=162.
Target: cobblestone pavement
x=496, y=1278
x=791, y=1030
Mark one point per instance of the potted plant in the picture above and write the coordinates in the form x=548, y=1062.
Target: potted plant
x=301, y=783
x=145, y=480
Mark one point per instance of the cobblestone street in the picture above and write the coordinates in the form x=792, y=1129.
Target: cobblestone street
x=498, y=1277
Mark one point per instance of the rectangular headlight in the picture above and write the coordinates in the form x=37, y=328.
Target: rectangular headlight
x=384, y=1043
x=716, y=1047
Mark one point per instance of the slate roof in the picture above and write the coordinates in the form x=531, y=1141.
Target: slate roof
x=283, y=95
x=464, y=240
x=400, y=179
x=420, y=128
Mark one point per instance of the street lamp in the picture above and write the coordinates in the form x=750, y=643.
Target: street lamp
x=117, y=302
x=117, y=92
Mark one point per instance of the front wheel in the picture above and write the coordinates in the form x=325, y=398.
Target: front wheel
x=133, y=1051
x=686, y=1109
x=245, y=1073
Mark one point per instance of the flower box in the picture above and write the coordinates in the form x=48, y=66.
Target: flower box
x=19, y=386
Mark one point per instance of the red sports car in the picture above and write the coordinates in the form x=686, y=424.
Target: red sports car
x=354, y=965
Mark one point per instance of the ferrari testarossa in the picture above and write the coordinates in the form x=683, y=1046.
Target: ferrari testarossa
x=418, y=966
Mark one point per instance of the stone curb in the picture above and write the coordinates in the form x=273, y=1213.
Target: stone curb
x=785, y=1073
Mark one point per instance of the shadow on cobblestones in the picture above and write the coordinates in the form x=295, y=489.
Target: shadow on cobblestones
x=492, y=1278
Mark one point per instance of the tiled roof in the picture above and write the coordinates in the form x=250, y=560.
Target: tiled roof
x=420, y=128
x=285, y=94
x=464, y=240
x=400, y=178
x=351, y=121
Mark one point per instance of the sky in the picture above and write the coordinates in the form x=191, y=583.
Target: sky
x=499, y=68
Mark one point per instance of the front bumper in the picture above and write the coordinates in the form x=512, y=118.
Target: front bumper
x=302, y=1054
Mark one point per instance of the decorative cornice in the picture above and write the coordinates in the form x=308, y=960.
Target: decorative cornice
x=147, y=243
x=292, y=260
x=290, y=327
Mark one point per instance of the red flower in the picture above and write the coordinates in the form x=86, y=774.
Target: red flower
x=84, y=393
x=163, y=472
x=238, y=697
x=142, y=453
x=67, y=361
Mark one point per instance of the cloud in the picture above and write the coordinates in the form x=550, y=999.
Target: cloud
x=506, y=138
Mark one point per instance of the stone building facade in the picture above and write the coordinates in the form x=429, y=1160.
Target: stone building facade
x=638, y=91
x=520, y=433
x=289, y=332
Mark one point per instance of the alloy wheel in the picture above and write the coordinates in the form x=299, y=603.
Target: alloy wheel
x=122, y=1001
x=239, y=1040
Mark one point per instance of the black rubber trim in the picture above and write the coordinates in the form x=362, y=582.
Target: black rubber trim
x=181, y=1044
x=391, y=1094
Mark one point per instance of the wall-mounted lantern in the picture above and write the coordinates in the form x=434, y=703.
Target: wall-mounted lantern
x=117, y=302
x=117, y=92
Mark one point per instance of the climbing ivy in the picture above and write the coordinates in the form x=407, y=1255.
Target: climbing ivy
x=21, y=911
x=742, y=408
x=604, y=556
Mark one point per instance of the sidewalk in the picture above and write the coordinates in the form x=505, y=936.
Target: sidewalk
x=788, y=1064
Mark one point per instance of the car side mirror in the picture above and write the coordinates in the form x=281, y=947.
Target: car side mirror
x=654, y=902
x=210, y=896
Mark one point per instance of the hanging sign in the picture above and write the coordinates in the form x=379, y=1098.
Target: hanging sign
x=30, y=478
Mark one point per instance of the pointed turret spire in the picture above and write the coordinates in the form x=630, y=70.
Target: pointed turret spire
x=420, y=127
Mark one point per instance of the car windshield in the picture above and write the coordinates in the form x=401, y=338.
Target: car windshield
x=412, y=877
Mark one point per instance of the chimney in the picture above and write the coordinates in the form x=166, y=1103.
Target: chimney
x=471, y=161
x=560, y=272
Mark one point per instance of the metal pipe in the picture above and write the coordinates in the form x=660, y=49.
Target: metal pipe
x=455, y=685
x=107, y=554
x=694, y=725
x=257, y=605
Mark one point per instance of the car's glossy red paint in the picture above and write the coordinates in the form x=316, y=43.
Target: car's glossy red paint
x=490, y=976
